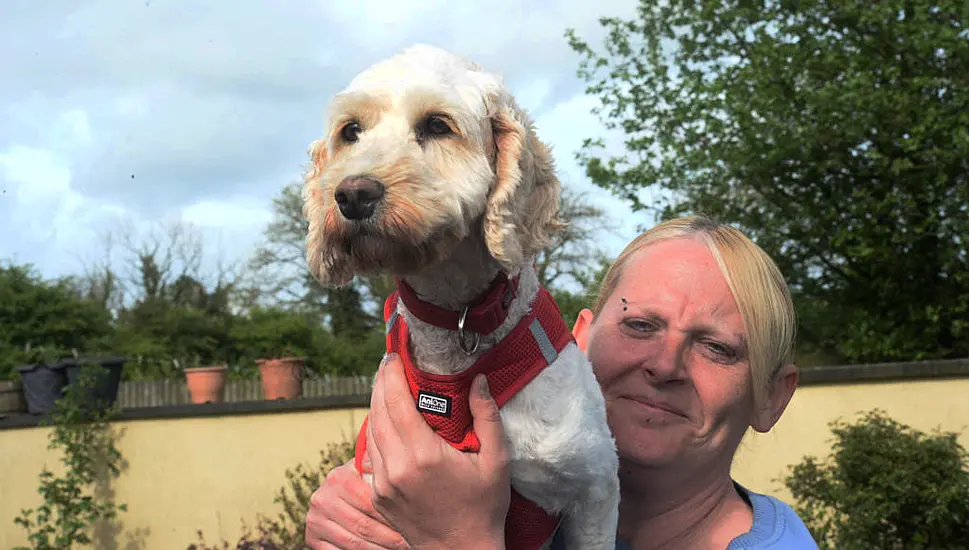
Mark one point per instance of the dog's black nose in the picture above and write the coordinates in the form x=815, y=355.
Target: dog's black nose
x=357, y=196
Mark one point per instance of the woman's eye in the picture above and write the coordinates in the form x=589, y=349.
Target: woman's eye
x=640, y=325
x=722, y=350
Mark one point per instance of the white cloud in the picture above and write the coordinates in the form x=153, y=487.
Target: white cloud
x=76, y=127
x=42, y=218
x=35, y=175
x=244, y=214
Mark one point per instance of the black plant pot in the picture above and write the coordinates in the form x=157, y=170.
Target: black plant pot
x=43, y=385
x=104, y=392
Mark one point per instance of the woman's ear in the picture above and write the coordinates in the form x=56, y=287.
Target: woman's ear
x=580, y=331
x=779, y=395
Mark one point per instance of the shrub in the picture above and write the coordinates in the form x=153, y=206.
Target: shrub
x=288, y=530
x=48, y=313
x=885, y=486
x=72, y=504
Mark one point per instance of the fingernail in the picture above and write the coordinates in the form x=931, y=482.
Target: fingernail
x=483, y=387
x=366, y=465
x=388, y=357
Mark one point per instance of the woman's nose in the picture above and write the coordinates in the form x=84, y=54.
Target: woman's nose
x=669, y=361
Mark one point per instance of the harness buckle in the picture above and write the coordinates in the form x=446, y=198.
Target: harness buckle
x=468, y=348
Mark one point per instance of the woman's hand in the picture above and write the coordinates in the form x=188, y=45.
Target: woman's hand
x=341, y=516
x=431, y=493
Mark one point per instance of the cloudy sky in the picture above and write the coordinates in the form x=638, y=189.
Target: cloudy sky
x=158, y=110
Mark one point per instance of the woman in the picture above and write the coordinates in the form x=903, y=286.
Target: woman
x=691, y=340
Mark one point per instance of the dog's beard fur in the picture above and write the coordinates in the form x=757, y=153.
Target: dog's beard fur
x=390, y=243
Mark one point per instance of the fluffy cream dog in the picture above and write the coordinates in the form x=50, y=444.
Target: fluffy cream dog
x=430, y=171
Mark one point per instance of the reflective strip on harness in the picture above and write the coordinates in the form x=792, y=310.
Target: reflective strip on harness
x=544, y=344
x=393, y=318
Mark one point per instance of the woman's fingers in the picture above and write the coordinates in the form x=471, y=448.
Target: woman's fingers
x=340, y=538
x=398, y=401
x=342, y=516
x=433, y=494
x=488, y=427
x=383, y=443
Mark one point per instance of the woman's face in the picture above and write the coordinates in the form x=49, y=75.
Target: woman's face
x=668, y=350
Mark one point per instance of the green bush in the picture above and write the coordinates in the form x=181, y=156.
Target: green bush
x=348, y=356
x=269, y=333
x=158, y=329
x=287, y=531
x=886, y=486
x=43, y=313
x=72, y=504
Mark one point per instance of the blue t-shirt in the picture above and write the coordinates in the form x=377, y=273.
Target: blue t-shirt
x=776, y=526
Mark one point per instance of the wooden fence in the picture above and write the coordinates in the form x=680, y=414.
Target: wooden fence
x=158, y=393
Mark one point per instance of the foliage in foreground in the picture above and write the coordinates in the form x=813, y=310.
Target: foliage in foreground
x=287, y=530
x=885, y=486
x=72, y=504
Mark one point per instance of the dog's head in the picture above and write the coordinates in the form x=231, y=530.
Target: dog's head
x=420, y=151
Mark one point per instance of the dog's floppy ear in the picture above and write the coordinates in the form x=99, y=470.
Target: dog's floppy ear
x=314, y=212
x=523, y=205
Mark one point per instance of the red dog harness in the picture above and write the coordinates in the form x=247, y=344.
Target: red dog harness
x=509, y=366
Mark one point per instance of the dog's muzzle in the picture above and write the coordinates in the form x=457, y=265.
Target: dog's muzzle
x=358, y=196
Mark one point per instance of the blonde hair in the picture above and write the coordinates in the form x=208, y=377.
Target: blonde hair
x=754, y=279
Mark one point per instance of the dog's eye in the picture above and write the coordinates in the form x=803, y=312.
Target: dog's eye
x=351, y=132
x=435, y=126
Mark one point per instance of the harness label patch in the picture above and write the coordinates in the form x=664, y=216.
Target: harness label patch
x=434, y=403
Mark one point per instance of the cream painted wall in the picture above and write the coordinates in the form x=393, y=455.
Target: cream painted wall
x=803, y=429
x=207, y=473
x=212, y=473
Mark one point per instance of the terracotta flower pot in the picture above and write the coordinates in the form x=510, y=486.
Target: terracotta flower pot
x=281, y=378
x=206, y=384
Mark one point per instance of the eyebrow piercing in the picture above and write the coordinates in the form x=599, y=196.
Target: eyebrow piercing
x=625, y=304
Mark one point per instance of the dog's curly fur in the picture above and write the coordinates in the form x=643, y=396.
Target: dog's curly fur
x=457, y=209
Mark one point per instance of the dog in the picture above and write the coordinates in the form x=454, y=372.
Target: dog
x=429, y=171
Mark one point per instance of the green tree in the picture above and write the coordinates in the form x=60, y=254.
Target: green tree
x=44, y=313
x=165, y=305
x=886, y=486
x=280, y=274
x=570, y=303
x=573, y=263
x=835, y=133
x=576, y=250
